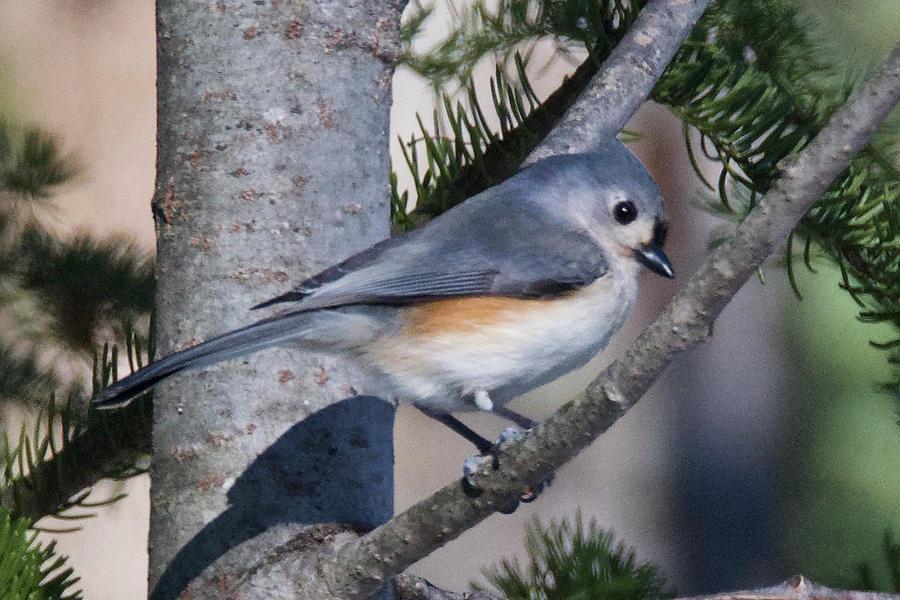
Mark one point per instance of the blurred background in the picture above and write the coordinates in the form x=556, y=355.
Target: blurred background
x=767, y=452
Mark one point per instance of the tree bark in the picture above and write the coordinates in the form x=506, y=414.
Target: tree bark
x=795, y=588
x=273, y=124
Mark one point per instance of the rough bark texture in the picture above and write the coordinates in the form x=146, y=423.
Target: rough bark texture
x=361, y=566
x=410, y=587
x=272, y=164
x=795, y=588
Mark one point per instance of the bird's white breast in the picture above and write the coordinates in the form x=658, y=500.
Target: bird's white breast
x=450, y=348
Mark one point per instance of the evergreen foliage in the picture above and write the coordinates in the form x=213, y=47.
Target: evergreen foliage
x=508, y=27
x=30, y=162
x=62, y=296
x=29, y=570
x=56, y=293
x=85, y=285
x=463, y=153
x=22, y=377
x=568, y=562
x=457, y=167
x=49, y=469
x=749, y=81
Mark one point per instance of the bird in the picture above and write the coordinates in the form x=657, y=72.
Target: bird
x=509, y=290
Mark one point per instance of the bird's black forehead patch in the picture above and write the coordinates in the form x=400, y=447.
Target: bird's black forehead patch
x=660, y=231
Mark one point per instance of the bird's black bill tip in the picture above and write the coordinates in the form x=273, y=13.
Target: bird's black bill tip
x=652, y=257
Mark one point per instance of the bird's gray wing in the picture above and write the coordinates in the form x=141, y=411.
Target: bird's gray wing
x=496, y=247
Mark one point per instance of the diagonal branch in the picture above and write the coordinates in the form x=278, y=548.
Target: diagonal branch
x=798, y=588
x=409, y=587
x=626, y=78
x=363, y=565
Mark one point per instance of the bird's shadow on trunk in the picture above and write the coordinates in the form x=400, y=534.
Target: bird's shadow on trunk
x=327, y=468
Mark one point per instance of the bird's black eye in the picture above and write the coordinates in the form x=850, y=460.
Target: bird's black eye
x=625, y=212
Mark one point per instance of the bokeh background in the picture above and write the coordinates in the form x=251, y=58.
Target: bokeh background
x=767, y=452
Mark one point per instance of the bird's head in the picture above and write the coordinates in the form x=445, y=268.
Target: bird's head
x=613, y=198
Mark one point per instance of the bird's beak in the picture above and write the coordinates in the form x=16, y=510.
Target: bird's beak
x=652, y=256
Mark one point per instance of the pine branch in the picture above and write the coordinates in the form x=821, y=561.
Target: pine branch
x=468, y=157
x=626, y=78
x=57, y=482
x=504, y=28
x=567, y=560
x=50, y=470
x=411, y=587
x=30, y=162
x=64, y=295
x=797, y=588
x=83, y=284
x=362, y=566
x=465, y=156
x=30, y=570
x=22, y=377
x=752, y=83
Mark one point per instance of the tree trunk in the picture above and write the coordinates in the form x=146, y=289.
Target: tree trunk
x=273, y=126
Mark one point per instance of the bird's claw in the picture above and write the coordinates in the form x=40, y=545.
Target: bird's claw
x=474, y=463
x=471, y=466
x=531, y=493
x=510, y=434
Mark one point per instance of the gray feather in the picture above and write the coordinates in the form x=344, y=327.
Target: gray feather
x=477, y=255
x=326, y=330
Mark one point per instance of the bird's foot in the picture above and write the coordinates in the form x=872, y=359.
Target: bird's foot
x=474, y=463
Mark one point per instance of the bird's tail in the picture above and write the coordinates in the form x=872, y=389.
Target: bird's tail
x=281, y=329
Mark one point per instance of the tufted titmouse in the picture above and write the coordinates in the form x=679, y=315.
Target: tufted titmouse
x=511, y=289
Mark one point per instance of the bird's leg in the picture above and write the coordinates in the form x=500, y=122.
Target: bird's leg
x=509, y=434
x=484, y=446
x=486, y=449
x=511, y=415
x=483, y=401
